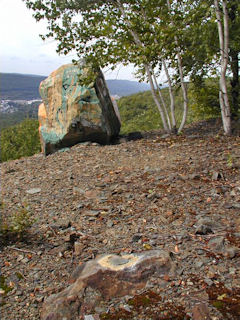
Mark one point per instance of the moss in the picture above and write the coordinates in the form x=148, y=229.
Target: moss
x=225, y=300
x=148, y=305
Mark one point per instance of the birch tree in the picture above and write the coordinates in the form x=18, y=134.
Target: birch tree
x=223, y=34
x=112, y=32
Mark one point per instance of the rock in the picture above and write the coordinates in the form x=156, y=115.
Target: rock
x=200, y=312
x=72, y=112
x=91, y=317
x=34, y=190
x=194, y=176
x=136, y=237
x=132, y=136
x=78, y=248
x=231, y=252
x=204, y=226
x=104, y=278
x=216, y=244
x=217, y=176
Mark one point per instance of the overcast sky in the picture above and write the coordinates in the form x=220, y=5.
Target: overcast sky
x=23, y=51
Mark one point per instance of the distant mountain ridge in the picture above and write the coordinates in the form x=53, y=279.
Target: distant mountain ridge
x=17, y=86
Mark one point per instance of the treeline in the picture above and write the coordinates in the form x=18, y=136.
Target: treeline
x=138, y=113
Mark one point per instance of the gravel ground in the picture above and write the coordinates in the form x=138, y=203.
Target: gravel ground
x=180, y=194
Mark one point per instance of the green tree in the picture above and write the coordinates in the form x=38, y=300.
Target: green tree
x=115, y=31
x=211, y=55
x=19, y=141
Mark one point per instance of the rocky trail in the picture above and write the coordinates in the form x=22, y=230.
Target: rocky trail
x=179, y=194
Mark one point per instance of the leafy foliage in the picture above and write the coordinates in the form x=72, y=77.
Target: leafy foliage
x=15, y=223
x=204, y=97
x=19, y=141
x=139, y=113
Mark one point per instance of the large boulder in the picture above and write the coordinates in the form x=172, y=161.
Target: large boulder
x=104, y=278
x=72, y=112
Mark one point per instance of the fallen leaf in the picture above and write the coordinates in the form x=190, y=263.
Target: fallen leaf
x=222, y=296
x=147, y=246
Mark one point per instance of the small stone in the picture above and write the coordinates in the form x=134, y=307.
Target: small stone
x=232, y=271
x=34, y=190
x=233, y=193
x=78, y=248
x=217, y=176
x=231, y=252
x=216, y=244
x=20, y=258
x=236, y=205
x=2, y=292
x=91, y=317
x=199, y=264
x=200, y=312
x=194, y=176
x=204, y=226
x=208, y=281
x=25, y=260
x=136, y=237
x=126, y=307
x=92, y=213
x=110, y=224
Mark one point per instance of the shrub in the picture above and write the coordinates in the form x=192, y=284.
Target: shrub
x=16, y=223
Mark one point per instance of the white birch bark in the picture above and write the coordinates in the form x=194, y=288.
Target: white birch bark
x=183, y=85
x=162, y=100
x=155, y=98
x=171, y=95
x=223, y=33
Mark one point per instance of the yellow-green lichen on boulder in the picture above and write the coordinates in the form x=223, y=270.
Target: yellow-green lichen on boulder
x=72, y=112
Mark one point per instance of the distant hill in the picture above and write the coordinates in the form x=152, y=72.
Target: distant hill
x=125, y=87
x=14, y=86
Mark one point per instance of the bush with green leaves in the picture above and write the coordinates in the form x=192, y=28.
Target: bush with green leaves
x=15, y=223
x=204, y=98
x=21, y=140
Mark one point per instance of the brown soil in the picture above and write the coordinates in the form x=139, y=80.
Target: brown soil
x=137, y=195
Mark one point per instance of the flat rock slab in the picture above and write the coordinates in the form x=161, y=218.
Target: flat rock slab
x=106, y=277
x=34, y=190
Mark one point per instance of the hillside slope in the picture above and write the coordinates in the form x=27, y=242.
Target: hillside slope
x=25, y=87
x=178, y=194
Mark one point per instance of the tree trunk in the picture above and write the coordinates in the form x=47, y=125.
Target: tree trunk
x=155, y=98
x=234, y=82
x=184, y=91
x=171, y=95
x=162, y=100
x=223, y=34
x=183, y=86
x=234, y=62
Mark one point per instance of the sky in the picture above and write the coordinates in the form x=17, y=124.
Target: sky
x=23, y=51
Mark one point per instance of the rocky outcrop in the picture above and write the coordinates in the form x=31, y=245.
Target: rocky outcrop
x=72, y=112
x=108, y=276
